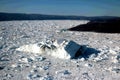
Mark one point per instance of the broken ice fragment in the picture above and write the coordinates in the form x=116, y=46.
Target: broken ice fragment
x=112, y=51
x=82, y=59
x=40, y=58
x=4, y=58
x=14, y=65
x=46, y=67
x=9, y=75
x=88, y=65
x=24, y=60
x=114, y=59
x=63, y=30
x=66, y=72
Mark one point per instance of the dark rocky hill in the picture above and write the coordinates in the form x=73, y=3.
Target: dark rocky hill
x=101, y=26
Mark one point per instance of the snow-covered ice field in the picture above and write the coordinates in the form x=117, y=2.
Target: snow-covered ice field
x=101, y=61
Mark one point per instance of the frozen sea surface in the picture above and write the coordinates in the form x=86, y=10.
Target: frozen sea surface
x=101, y=61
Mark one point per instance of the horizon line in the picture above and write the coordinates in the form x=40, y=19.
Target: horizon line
x=57, y=14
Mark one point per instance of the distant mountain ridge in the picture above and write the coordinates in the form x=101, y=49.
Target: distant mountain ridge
x=23, y=16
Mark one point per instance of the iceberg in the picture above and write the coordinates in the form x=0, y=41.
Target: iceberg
x=63, y=49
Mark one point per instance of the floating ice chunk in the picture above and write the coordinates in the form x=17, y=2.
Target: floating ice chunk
x=112, y=51
x=65, y=72
x=24, y=60
x=14, y=65
x=88, y=65
x=40, y=58
x=114, y=59
x=63, y=49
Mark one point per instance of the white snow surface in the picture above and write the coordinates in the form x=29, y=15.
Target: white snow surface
x=100, y=62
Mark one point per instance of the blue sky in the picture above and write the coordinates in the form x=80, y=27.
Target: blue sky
x=63, y=7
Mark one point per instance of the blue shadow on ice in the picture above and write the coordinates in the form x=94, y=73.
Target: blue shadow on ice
x=90, y=51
